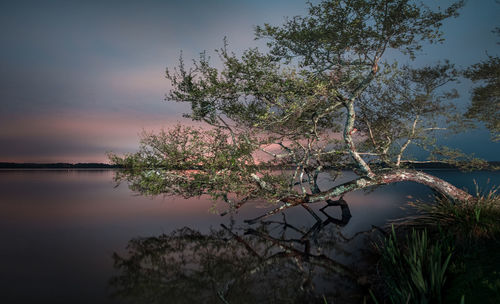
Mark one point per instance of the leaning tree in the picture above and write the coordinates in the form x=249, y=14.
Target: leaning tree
x=325, y=95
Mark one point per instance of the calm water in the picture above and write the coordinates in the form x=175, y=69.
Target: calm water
x=59, y=230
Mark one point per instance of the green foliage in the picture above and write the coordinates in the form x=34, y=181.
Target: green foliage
x=485, y=104
x=191, y=162
x=470, y=230
x=335, y=51
x=253, y=91
x=473, y=221
x=296, y=106
x=336, y=31
x=458, y=159
x=414, y=270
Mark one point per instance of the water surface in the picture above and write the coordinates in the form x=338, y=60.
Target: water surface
x=60, y=228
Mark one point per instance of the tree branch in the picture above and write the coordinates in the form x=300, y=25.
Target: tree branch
x=405, y=145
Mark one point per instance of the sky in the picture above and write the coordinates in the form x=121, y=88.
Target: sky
x=82, y=78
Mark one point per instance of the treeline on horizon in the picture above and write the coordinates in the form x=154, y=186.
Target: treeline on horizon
x=492, y=165
x=6, y=165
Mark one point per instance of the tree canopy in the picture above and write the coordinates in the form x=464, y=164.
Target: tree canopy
x=325, y=95
x=485, y=104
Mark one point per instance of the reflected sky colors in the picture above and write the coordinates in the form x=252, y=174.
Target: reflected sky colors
x=79, y=78
x=59, y=228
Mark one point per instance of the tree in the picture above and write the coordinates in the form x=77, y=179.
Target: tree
x=485, y=104
x=324, y=96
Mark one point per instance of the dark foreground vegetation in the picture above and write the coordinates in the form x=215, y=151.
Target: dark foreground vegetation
x=447, y=254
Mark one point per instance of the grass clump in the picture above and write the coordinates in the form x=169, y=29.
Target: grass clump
x=473, y=221
x=447, y=254
x=414, y=270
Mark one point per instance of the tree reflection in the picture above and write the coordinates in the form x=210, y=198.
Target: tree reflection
x=275, y=262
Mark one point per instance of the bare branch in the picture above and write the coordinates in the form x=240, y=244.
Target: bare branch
x=405, y=145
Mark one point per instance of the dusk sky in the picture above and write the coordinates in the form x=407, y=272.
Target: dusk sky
x=80, y=78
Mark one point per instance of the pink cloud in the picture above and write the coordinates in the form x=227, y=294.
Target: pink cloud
x=76, y=137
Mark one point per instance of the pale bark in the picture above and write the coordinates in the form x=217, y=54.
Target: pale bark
x=380, y=178
x=405, y=145
x=350, y=119
x=348, y=131
x=394, y=176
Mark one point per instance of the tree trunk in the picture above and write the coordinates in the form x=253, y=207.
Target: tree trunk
x=393, y=176
x=380, y=178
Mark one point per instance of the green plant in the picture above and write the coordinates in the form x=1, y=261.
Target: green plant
x=414, y=271
x=470, y=229
x=469, y=221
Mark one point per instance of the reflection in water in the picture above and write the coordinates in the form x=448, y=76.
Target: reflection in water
x=59, y=229
x=275, y=262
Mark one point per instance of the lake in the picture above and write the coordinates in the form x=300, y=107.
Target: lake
x=64, y=237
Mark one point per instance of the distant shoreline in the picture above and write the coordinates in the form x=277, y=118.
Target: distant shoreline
x=89, y=166
x=6, y=165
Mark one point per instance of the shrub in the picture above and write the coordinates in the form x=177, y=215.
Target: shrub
x=470, y=221
x=414, y=271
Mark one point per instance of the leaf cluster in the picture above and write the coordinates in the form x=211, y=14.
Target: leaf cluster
x=191, y=162
x=485, y=104
x=253, y=91
x=414, y=269
x=354, y=33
